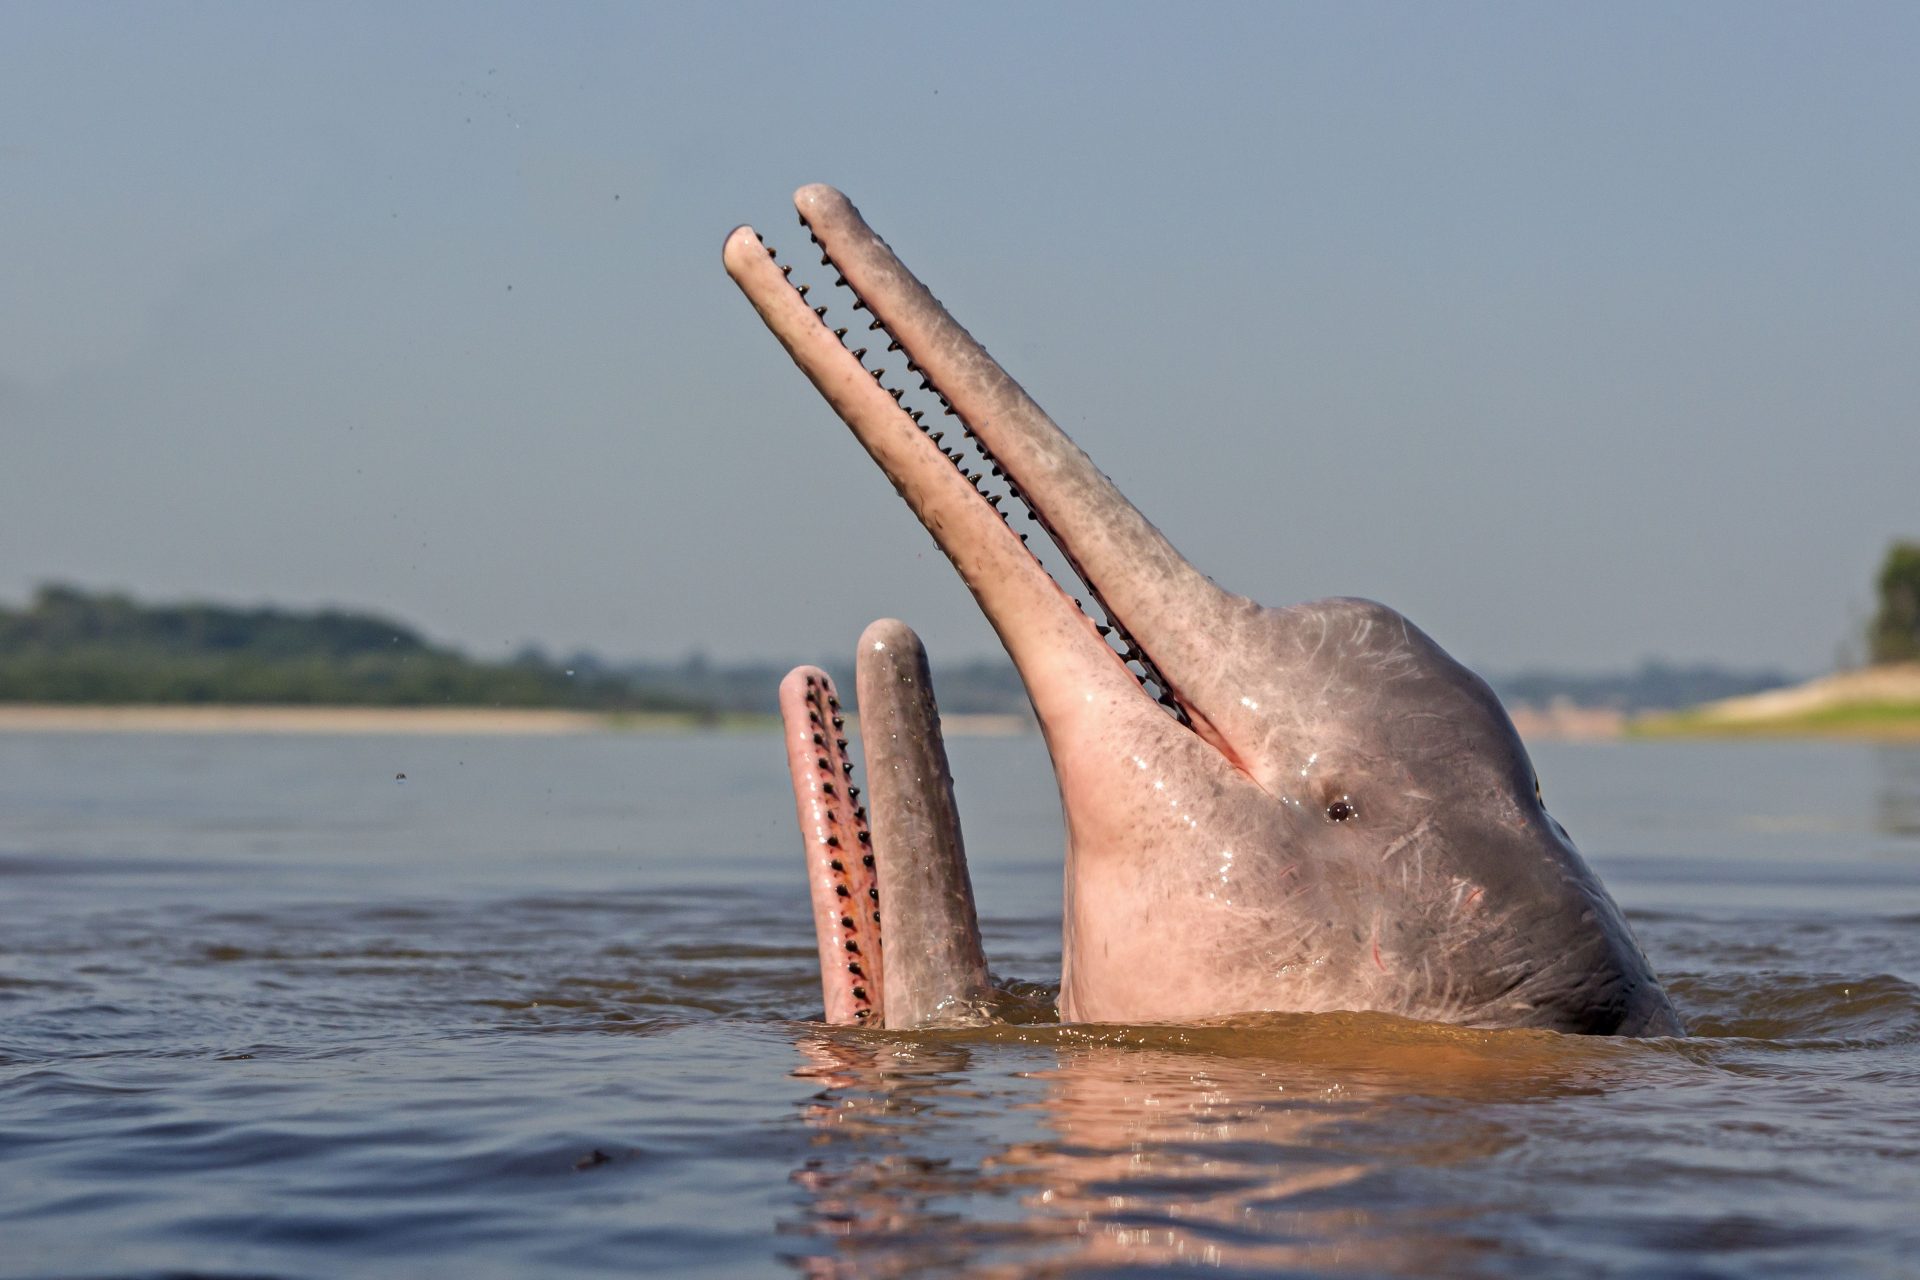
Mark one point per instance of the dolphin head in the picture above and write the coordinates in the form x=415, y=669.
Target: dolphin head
x=1307, y=808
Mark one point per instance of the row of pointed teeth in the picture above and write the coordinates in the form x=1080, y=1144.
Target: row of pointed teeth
x=1130, y=653
x=823, y=709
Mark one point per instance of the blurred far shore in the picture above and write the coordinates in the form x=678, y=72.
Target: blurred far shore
x=73, y=660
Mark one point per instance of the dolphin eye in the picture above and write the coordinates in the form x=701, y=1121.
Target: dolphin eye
x=1341, y=810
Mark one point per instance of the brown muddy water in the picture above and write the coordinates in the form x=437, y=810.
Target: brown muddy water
x=543, y=1007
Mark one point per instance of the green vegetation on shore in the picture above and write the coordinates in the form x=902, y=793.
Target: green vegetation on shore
x=79, y=648
x=71, y=646
x=1877, y=720
x=1879, y=701
x=1894, y=634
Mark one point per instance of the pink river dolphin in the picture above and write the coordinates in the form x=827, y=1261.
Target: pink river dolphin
x=1314, y=809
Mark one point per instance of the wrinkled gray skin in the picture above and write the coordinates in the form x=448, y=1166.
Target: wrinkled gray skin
x=1346, y=818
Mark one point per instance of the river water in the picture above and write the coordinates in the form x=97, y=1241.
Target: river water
x=543, y=1006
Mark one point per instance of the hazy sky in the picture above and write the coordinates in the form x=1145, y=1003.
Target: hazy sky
x=1578, y=335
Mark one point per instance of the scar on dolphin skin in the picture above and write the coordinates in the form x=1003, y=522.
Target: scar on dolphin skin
x=1310, y=808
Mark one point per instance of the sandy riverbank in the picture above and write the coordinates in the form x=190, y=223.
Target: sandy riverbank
x=444, y=721
x=1880, y=703
x=1563, y=722
x=1874, y=702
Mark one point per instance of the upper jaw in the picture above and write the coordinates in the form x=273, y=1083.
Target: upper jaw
x=1146, y=588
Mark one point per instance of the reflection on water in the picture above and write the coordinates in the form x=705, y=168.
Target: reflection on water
x=1276, y=1143
x=1899, y=801
x=1315, y=1144
x=1258, y=1144
x=262, y=1012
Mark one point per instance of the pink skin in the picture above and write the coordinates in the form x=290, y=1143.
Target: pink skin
x=1345, y=821
x=839, y=861
x=1082, y=692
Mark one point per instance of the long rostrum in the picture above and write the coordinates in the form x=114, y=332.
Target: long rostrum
x=1166, y=603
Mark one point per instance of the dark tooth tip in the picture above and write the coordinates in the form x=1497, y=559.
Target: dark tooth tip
x=860, y=353
x=840, y=334
x=804, y=288
x=874, y=894
x=858, y=305
x=820, y=311
x=803, y=219
x=787, y=270
x=874, y=325
x=824, y=259
x=895, y=392
x=893, y=346
x=912, y=367
x=840, y=280
x=935, y=436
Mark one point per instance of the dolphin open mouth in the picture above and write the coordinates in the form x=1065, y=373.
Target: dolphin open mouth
x=977, y=457
x=1304, y=808
x=985, y=457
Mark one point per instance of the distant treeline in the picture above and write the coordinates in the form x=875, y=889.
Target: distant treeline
x=1894, y=633
x=990, y=685
x=982, y=686
x=1653, y=686
x=76, y=646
